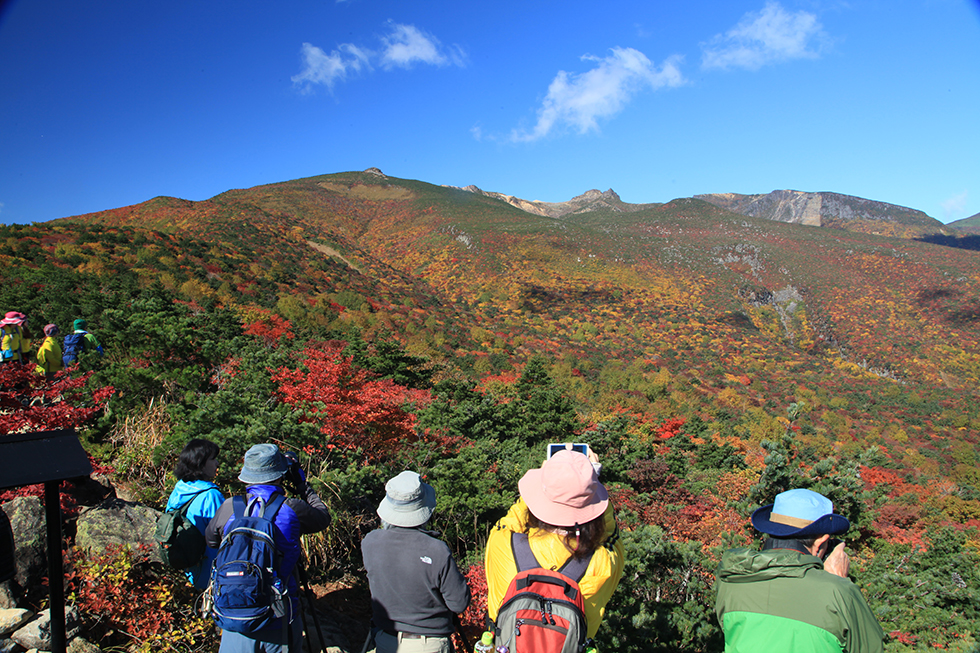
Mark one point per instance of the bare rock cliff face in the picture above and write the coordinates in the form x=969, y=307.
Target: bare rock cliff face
x=822, y=209
x=817, y=209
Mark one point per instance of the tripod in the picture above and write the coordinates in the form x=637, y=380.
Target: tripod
x=305, y=584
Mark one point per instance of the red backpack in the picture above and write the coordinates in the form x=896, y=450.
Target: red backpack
x=543, y=610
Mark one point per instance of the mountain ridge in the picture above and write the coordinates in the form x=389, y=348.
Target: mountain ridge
x=817, y=209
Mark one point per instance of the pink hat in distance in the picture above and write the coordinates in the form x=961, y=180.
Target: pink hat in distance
x=565, y=491
x=13, y=317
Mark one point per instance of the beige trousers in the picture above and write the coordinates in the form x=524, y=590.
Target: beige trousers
x=387, y=643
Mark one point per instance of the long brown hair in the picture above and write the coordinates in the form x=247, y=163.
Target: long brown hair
x=580, y=540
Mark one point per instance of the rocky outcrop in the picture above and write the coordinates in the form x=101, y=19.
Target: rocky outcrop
x=590, y=200
x=120, y=523
x=818, y=209
x=27, y=522
x=36, y=634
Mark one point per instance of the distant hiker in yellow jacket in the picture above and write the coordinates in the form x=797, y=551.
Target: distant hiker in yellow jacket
x=16, y=339
x=49, y=354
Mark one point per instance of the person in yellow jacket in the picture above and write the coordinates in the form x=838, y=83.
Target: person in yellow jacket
x=49, y=353
x=565, y=511
x=15, y=339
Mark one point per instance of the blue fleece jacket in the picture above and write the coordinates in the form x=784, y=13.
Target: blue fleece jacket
x=202, y=509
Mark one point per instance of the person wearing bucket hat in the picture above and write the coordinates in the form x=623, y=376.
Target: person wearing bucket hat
x=565, y=512
x=794, y=595
x=49, y=353
x=15, y=338
x=263, y=472
x=416, y=587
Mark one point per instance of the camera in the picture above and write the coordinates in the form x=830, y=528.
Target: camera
x=294, y=473
x=831, y=545
x=578, y=446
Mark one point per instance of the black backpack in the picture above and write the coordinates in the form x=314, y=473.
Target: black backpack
x=181, y=543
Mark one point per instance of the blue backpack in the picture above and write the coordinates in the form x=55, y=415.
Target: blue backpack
x=247, y=588
x=73, y=346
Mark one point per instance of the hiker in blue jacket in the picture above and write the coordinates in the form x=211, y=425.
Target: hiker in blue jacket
x=195, y=472
x=264, y=472
x=79, y=341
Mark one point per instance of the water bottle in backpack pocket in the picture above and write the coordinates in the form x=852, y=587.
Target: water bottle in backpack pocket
x=247, y=587
x=543, y=610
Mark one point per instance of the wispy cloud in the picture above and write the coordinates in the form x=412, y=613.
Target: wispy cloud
x=407, y=45
x=769, y=36
x=955, y=206
x=320, y=68
x=402, y=46
x=578, y=101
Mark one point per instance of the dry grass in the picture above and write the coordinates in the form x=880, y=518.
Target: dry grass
x=137, y=438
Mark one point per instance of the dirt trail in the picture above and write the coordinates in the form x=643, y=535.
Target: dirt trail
x=330, y=251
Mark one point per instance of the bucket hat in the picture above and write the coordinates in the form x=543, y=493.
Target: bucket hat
x=408, y=502
x=80, y=324
x=263, y=464
x=564, y=491
x=799, y=513
x=51, y=330
x=13, y=317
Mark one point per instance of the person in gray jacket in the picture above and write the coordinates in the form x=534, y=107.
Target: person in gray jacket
x=416, y=588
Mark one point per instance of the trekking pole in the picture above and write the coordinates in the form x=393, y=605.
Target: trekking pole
x=367, y=640
x=301, y=572
x=458, y=625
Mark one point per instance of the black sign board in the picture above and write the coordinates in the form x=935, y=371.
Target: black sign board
x=47, y=457
x=42, y=456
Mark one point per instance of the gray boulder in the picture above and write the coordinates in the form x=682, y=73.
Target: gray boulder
x=79, y=645
x=8, y=595
x=13, y=619
x=10, y=646
x=27, y=521
x=37, y=633
x=117, y=522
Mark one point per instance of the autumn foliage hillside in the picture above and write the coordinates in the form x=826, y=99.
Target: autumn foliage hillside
x=711, y=359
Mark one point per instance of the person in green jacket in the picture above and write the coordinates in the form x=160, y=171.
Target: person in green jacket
x=794, y=595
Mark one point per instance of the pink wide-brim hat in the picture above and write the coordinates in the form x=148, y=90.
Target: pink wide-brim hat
x=565, y=491
x=14, y=317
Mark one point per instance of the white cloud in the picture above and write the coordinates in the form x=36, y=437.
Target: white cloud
x=407, y=45
x=579, y=100
x=768, y=36
x=402, y=47
x=326, y=69
x=955, y=206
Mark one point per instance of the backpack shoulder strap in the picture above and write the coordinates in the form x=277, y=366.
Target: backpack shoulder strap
x=182, y=508
x=238, y=503
x=273, y=506
x=575, y=568
x=523, y=556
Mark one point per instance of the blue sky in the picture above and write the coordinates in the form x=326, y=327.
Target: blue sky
x=110, y=103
